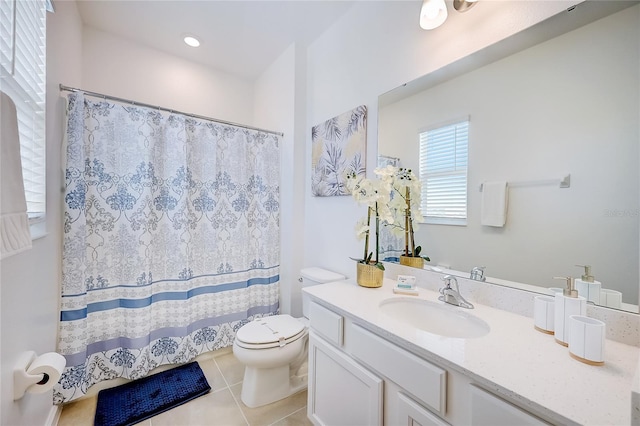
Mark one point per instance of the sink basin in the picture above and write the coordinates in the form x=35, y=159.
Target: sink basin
x=435, y=318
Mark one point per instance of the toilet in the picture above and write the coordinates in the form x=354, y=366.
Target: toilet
x=274, y=349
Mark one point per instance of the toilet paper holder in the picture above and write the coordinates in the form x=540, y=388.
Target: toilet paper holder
x=21, y=379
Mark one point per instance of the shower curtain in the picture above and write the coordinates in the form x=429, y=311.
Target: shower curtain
x=171, y=239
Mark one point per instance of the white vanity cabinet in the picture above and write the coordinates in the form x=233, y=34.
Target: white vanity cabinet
x=357, y=377
x=511, y=375
x=341, y=392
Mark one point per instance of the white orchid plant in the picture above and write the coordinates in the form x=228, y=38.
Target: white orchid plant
x=376, y=195
x=404, y=205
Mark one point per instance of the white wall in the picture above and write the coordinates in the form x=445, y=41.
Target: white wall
x=375, y=47
x=116, y=66
x=544, y=112
x=30, y=285
x=31, y=280
x=277, y=104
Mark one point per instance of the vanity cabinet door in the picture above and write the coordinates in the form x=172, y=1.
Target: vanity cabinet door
x=410, y=413
x=341, y=391
x=489, y=410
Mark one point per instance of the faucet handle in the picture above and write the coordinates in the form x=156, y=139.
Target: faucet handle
x=447, y=282
x=477, y=273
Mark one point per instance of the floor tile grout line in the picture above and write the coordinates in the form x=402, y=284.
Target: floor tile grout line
x=288, y=415
x=231, y=392
x=227, y=385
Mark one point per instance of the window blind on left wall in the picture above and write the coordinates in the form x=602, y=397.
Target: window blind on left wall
x=23, y=78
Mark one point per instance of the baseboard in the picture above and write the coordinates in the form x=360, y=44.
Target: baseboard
x=54, y=415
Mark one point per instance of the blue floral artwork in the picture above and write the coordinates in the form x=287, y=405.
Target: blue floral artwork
x=338, y=149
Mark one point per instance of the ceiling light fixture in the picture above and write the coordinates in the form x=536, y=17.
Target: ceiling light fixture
x=463, y=5
x=432, y=14
x=191, y=41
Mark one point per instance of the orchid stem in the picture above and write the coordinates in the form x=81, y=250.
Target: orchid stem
x=406, y=223
x=366, y=237
x=377, y=232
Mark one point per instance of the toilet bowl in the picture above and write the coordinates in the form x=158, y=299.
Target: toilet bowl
x=274, y=350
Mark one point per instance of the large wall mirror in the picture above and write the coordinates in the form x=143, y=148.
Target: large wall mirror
x=561, y=98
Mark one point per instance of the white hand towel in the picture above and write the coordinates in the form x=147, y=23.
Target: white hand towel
x=14, y=223
x=495, y=198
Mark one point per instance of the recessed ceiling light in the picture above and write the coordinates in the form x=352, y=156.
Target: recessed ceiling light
x=191, y=41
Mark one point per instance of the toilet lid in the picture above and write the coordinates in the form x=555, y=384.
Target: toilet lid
x=271, y=331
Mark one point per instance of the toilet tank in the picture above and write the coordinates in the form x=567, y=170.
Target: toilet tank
x=314, y=276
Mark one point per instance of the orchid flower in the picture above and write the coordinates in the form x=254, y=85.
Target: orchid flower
x=376, y=195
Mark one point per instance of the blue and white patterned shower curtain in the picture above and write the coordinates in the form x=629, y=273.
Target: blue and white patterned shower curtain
x=171, y=239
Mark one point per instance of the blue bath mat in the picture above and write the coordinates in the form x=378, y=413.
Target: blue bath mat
x=136, y=401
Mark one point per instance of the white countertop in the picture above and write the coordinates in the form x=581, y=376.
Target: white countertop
x=514, y=359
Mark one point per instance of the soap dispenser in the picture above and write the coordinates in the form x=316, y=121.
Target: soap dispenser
x=587, y=286
x=566, y=304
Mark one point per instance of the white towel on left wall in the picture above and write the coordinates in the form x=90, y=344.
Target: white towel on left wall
x=495, y=200
x=14, y=222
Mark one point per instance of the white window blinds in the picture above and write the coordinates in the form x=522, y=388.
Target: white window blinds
x=22, y=73
x=443, y=172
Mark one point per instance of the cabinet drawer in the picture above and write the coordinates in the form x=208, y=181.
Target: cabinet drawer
x=326, y=323
x=489, y=410
x=425, y=381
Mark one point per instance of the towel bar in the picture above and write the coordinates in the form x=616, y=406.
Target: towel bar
x=565, y=182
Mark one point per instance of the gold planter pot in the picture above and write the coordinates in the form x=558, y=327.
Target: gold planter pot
x=369, y=275
x=414, y=262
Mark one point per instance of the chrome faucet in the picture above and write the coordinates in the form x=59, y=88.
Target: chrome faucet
x=477, y=273
x=453, y=296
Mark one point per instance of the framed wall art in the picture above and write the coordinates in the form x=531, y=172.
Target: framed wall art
x=338, y=149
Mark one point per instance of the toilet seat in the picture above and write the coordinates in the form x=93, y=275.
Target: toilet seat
x=270, y=332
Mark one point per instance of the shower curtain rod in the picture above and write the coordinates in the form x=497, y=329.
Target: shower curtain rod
x=202, y=117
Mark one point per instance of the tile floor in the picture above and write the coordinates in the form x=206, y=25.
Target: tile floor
x=221, y=406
